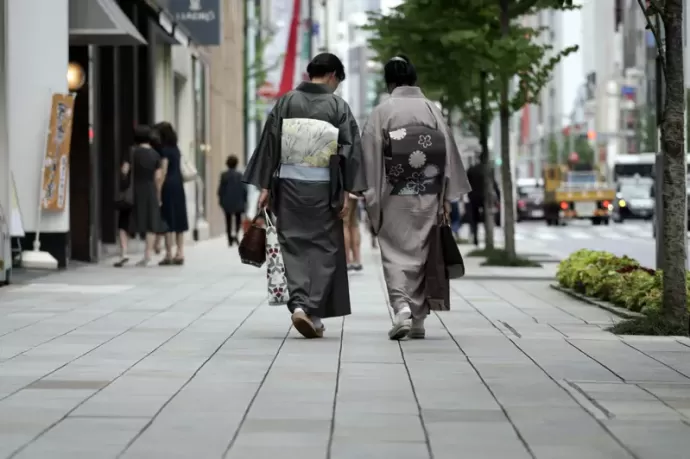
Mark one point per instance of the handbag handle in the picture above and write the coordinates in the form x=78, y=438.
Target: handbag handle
x=269, y=221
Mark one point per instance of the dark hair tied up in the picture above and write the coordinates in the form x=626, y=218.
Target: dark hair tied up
x=399, y=71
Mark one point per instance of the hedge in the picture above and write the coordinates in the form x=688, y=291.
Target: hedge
x=618, y=280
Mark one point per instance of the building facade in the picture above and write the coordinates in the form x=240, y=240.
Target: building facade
x=539, y=125
x=140, y=65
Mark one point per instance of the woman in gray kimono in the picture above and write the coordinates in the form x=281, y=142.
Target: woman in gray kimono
x=307, y=160
x=412, y=167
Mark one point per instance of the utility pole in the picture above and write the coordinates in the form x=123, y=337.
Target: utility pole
x=324, y=5
x=310, y=32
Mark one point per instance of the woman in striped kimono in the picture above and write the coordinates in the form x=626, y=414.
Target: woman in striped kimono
x=412, y=167
x=307, y=160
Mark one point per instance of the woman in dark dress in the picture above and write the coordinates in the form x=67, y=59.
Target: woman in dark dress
x=173, y=198
x=144, y=217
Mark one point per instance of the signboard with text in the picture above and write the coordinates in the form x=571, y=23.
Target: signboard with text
x=56, y=160
x=202, y=18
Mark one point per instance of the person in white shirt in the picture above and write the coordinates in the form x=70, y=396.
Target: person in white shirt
x=353, y=237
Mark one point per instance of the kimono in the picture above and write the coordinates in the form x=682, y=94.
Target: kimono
x=309, y=156
x=411, y=165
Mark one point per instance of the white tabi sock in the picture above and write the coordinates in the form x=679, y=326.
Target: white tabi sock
x=316, y=321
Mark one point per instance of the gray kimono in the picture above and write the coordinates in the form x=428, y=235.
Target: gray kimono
x=411, y=165
x=309, y=155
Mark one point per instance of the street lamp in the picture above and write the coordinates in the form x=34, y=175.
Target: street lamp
x=76, y=77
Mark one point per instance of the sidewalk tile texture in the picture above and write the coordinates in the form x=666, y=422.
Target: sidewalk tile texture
x=191, y=362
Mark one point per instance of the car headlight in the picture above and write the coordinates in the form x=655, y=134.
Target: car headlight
x=622, y=203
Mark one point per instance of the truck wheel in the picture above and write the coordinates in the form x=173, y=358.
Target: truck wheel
x=596, y=221
x=606, y=220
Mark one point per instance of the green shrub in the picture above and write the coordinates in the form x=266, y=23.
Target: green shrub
x=618, y=280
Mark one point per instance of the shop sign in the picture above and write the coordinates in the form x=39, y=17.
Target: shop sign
x=202, y=18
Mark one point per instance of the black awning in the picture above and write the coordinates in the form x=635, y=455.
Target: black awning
x=101, y=22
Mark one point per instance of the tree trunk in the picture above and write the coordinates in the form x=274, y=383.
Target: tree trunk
x=506, y=168
x=486, y=164
x=674, y=193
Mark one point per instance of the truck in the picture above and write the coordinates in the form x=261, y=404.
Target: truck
x=571, y=195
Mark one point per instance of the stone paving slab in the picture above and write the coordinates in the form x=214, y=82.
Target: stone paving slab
x=190, y=362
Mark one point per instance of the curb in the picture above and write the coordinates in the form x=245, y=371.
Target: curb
x=624, y=313
x=487, y=277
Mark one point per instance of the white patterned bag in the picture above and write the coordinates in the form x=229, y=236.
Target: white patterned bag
x=278, y=294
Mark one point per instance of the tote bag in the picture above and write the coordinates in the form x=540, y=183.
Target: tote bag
x=187, y=169
x=278, y=293
x=252, y=248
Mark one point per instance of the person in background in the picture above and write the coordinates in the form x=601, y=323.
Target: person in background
x=455, y=219
x=173, y=197
x=412, y=169
x=306, y=162
x=475, y=207
x=147, y=176
x=353, y=237
x=232, y=197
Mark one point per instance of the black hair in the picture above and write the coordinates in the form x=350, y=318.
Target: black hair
x=166, y=133
x=142, y=134
x=231, y=162
x=326, y=63
x=399, y=71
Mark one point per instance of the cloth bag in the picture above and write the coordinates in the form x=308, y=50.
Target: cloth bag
x=252, y=248
x=452, y=258
x=278, y=293
x=436, y=285
x=187, y=169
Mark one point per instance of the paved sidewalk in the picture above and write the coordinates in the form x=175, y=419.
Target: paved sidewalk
x=189, y=362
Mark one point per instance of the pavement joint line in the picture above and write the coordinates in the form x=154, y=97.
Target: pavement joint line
x=331, y=430
x=655, y=359
x=507, y=300
x=420, y=413
x=586, y=354
x=684, y=418
x=530, y=293
x=620, y=312
x=127, y=308
x=91, y=303
x=95, y=319
x=66, y=415
x=172, y=305
x=598, y=421
x=519, y=435
x=576, y=387
x=601, y=424
x=236, y=435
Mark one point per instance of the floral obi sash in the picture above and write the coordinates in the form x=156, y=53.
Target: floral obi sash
x=415, y=160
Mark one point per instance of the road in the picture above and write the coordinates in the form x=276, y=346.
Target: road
x=632, y=238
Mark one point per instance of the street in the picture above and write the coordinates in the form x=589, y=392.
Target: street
x=190, y=362
x=632, y=238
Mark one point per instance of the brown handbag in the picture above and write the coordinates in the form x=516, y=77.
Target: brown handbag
x=253, y=245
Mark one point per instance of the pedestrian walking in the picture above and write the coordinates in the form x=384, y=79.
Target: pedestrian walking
x=353, y=237
x=307, y=158
x=232, y=197
x=173, y=197
x=475, y=206
x=144, y=217
x=412, y=167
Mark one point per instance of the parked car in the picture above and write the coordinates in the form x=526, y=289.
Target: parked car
x=633, y=200
x=530, y=201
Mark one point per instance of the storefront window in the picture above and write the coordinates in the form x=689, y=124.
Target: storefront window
x=200, y=133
